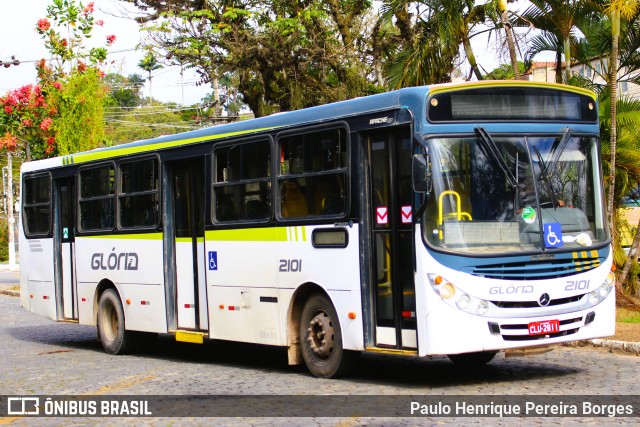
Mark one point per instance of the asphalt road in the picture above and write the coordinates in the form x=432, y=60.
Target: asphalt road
x=40, y=357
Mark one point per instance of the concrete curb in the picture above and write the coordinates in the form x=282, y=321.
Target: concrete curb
x=10, y=293
x=628, y=347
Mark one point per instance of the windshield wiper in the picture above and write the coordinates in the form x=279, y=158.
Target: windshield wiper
x=491, y=149
x=566, y=136
x=544, y=175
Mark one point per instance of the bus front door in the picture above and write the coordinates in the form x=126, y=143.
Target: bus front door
x=184, y=238
x=64, y=248
x=392, y=296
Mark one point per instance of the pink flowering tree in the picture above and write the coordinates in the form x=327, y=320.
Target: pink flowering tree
x=26, y=121
x=63, y=113
x=65, y=31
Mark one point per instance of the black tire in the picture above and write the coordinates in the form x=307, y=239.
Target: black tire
x=473, y=359
x=321, y=339
x=111, y=332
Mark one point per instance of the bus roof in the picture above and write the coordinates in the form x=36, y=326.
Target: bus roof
x=412, y=98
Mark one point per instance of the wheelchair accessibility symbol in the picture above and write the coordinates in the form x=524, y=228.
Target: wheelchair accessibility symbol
x=553, y=235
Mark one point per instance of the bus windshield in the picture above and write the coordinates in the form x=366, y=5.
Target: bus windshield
x=493, y=194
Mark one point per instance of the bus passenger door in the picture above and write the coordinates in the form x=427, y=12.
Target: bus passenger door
x=392, y=292
x=184, y=238
x=64, y=248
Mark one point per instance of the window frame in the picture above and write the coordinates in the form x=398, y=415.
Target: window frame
x=344, y=171
x=80, y=199
x=119, y=194
x=214, y=183
x=26, y=205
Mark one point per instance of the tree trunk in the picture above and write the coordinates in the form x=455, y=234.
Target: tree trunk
x=504, y=17
x=558, y=67
x=613, y=83
x=567, y=59
x=471, y=58
x=634, y=251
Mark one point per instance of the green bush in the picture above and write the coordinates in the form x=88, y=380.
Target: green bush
x=4, y=240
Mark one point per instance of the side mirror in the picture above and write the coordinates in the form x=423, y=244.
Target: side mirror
x=421, y=174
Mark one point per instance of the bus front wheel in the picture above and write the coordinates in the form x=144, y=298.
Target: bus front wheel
x=473, y=359
x=321, y=339
x=113, y=337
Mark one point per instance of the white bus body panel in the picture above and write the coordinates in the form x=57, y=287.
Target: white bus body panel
x=186, y=292
x=134, y=265
x=250, y=293
x=68, y=286
x=36, y=272
x=336, y=270
x=448, y=330
x=243, y=274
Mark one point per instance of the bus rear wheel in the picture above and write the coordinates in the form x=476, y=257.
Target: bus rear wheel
x=473, y=359
x=113, y=337
x=321, y=339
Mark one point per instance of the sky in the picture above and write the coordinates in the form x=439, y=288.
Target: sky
x=18, y=37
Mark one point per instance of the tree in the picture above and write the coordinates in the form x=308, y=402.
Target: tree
x=557, y=19
x=440, y=28
x=285, y=55
x=615, y=9
x=25, y=121
x=63, y=113
x=149, y=64
x=511, y=44
x=505, y=72
x=124, y=92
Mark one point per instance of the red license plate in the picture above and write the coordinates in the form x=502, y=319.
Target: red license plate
x=544, y=328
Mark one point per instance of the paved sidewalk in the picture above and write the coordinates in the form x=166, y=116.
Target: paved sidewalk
x=7, y=287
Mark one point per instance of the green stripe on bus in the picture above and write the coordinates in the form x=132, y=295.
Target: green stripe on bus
x=273, y=234
x=139, y=236
x=100, y=155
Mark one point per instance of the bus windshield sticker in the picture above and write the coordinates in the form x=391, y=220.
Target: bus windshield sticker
x=529, y=215
x=553, y=235
x=382, y=215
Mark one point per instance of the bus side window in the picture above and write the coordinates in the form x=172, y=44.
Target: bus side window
x=242, y=182
x=138, y=193
x=37, y=205
x=97, y=192
x=312, y=173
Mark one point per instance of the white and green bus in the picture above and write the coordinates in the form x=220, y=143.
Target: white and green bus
x=459, y=219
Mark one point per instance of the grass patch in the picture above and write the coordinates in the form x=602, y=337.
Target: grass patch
x=625, y=315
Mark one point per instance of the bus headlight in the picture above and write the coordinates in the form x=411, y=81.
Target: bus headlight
x=463, y=302
x=603, y=291
x=594, y=298
x=454, y=297
x=447, y=291
x=482, y=308
x=611, y=279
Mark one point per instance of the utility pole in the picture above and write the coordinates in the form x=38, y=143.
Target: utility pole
x=10, y=219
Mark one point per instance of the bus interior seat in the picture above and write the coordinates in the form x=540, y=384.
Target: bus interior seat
x=294, y=202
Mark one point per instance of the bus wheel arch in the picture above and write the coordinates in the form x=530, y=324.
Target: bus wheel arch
x=110, y=322
x=102, y=286
x=320, y=336
x=300, y=296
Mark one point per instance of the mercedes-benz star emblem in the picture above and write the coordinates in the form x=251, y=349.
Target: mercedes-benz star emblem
x=544, y=300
